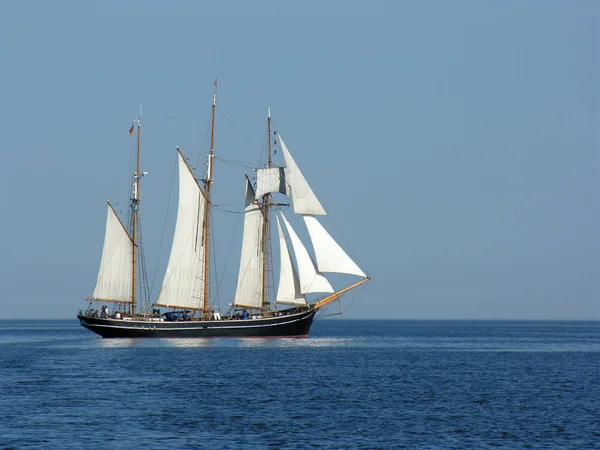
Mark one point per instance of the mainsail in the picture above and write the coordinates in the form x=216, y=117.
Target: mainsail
x=115, y=277
x=183, y=283
x=249, y=290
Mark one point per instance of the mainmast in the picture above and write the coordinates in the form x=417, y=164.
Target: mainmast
x=207, y=186
x=135, y=201
x=265, y=240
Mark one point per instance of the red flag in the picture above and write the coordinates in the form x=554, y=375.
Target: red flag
x=131, y=131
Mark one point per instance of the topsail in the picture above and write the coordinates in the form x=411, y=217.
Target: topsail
x=271, y=179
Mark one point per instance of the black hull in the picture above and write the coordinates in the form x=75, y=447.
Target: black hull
x=291, y=325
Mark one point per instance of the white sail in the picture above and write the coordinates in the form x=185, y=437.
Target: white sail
x=288, y=292
x=271, y=179
x=115, y=277
x=311, y=281
x=249, y=291
x=305, y=200
x=330, y=256
x=183, y=285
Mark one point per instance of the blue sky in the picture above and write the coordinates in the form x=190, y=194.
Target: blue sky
x=454, y=144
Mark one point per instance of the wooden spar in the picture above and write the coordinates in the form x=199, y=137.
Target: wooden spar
x=265, y=230
x=184, y=159
x=333, y=297
x=208, y=185
x=119, y=219
x=134, y=206
x=191, y=308
x=106, y=300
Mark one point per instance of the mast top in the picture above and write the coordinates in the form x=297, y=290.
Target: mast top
x=216, y=84
x=270, y=157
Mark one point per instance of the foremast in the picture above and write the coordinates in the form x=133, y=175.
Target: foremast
x=207, y=187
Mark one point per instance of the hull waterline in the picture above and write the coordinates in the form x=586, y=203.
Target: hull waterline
x=292, y=325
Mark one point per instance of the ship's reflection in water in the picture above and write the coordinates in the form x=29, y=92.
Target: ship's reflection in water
x=294, y=343
x=119, y=343
x=186, y=342
x=317, y=342
x=228, y=342
x=255, y=342
x=156, y=342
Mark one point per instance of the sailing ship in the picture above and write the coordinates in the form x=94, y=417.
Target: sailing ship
x=183, y=307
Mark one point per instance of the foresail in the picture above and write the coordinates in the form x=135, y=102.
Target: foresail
x=305, y=200
x=288, y=292
x=249, y=292
x=330, y=256
x=115, y=277
x=183, y=283
x=271, y=179
x=311, y=281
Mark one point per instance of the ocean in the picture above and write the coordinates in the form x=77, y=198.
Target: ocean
x=351, y=384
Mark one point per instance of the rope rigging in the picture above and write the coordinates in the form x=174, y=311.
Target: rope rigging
x=236, y=163
x=157, y=123
x=321, y=313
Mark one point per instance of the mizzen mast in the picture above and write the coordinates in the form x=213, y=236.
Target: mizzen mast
x=207, y=186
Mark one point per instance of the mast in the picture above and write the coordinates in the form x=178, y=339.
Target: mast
x=135, y=200
x=207, y=187
x=265, y=230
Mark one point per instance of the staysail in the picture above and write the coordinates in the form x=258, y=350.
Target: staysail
x=115, y=277
x=288, y=292
x=330, y=256
x=305, y=200
x=250, y=278
x=183, y=283
x=311, y=281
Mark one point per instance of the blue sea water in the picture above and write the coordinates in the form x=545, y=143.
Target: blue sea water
x=351, y=384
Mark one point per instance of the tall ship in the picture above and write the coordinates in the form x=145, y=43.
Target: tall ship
x=183, y=306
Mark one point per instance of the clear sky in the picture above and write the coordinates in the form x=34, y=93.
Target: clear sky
x=455, y=144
